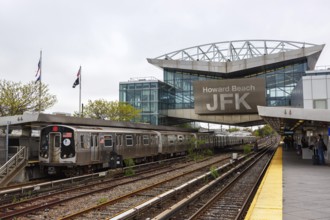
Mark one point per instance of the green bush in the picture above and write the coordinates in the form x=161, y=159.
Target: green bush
x=102, y=200
x=208, y=152
x=129, y=163
x=214, y=172
x=247, y=148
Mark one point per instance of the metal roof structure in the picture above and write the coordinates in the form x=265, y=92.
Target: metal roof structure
x=241, y=56
x=233, y=50
x=38, y=120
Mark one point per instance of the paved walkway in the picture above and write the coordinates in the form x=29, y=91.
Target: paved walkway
x=306, y=189
x=303, y=188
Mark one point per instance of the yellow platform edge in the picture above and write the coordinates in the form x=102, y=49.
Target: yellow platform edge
x=268, y=201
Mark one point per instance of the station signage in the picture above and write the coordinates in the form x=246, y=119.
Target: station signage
x=233, y=96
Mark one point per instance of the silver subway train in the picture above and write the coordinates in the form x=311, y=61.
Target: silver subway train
x=73, y=150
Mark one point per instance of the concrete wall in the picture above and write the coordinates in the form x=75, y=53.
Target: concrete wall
x=316, y=88
x=221, y=119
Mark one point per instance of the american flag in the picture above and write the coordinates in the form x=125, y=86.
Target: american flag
x=76, y=82
x=38, y=74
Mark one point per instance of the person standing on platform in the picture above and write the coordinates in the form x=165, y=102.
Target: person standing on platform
x=320, y=149
x=304, y=142
x=286, y=143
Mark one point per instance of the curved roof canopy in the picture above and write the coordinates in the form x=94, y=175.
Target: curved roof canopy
x=237, y=56
x=233, y=50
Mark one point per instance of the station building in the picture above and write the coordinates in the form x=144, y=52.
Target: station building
x=222, y=82
x=240, y=83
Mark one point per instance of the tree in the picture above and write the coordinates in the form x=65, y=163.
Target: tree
x=16, y=98
x=264, y=131
x=233, y=129
x=247, y=130
x=114, y=111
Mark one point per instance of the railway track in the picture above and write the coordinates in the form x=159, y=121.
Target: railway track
x=159, y=192
x=226, y=197
x=229, y=201
x=191, y=191
x=35, y=207
x=140, y=195
x=32, y=189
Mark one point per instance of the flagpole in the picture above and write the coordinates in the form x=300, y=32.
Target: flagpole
x=80, y=93
x=40, y=81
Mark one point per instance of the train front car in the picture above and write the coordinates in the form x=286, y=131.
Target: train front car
x=57, y=147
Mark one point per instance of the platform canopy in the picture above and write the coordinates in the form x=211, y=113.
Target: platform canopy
x=287, y=120
x=38, y=120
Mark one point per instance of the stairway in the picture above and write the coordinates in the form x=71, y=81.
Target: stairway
x=13, y=166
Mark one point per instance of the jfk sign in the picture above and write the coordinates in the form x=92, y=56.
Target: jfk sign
x=234, y=96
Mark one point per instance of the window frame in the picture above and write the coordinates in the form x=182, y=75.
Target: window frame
x=129, y=137
x=146, y=140
x=106, y=139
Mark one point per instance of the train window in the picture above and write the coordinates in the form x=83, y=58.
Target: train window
x=171, y=139
x=138, y=140
x=108, y=141
x=93, y=140
x=145, y=140
x=129, y=140
x=180, y=138
x=82, y=141
x=57, y=141
x=119, y=140
x=164, y=139
x=152, y=139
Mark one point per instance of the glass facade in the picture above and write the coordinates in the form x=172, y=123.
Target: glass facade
x=279, y=83
x=149, y=96
x=176, y=92
x=182, y=81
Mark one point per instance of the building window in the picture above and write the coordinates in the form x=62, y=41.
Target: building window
x=320, y=104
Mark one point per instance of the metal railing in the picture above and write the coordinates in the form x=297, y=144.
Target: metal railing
x=13, y=163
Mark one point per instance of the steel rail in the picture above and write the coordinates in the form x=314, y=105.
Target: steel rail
x=96, y=207
x=207, y=206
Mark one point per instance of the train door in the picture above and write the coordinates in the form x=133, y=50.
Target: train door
x=55, y=146
x=94, y=147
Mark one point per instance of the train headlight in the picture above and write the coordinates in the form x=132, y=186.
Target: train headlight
x=46, y=155
x=64, y=156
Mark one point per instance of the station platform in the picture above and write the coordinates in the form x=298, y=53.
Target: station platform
x=293, y=188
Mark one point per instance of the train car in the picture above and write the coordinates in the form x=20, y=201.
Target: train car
x=223, y=141
x=73, y=150
x=77, y=149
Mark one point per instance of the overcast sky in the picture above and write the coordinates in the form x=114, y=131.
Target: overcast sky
x=111, y=39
